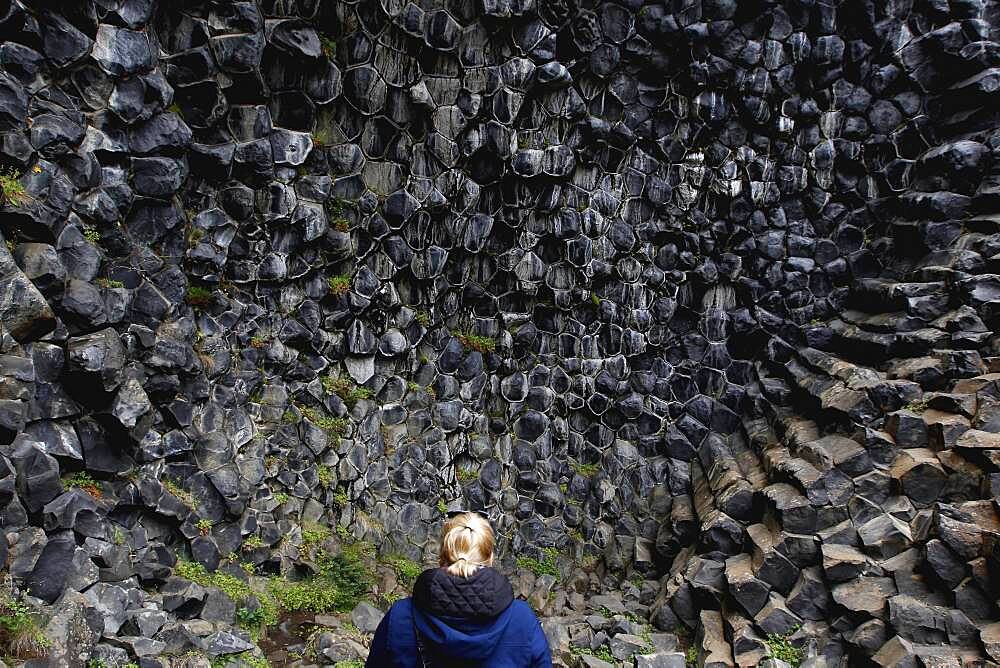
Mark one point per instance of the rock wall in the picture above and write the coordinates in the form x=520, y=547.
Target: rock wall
x=697, y=291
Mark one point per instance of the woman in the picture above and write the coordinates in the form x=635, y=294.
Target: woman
x=461, y=614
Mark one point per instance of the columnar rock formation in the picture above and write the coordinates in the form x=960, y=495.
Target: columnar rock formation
x=702, y=293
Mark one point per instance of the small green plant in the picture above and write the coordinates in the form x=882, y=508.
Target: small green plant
x=289, y=417
x=603, y=653
x=194, y=235
x=91, y=234
x=340, y=498
x=782, y=649
x=11, y=190
x=406, y=569
x=347, y=573
x=349, y=663
x=336, y=205
x=338, y=586
x=335, y=427
x=586, y=470
x=546, y=566
x=483, y=344
x=107, y=283
x=20, y=634
x=314, y=534
x=236, y=589
x=691, y=657
x=198, y=297
x=346, y=389
x=242, y=660
x=118, y=536
x=466, y=475
x=594, y=299
x=329, y=45
x=175, y=108
x=83, y=480
x=252, y=542
x=258, y=342
x=97, y=663
x=916, y=406
x=341, y=224
x=204, y=526
x=423, y=318
x=280, y=498
x=340, y=284
x=322, y=136
x=325, y=475
x=180, y=493
x=389, y=597
x=251, y=618
x=442, y=507
x=232, y=586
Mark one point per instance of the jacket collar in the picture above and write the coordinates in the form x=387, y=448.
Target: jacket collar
x=484, y=595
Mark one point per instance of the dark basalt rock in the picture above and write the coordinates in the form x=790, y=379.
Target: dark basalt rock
x=122, y=52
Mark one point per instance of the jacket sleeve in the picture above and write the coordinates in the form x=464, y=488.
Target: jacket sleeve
x=541, y=656
x=378, y=655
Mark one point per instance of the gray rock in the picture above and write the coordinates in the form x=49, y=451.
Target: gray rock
x=23, y=310
x=366, y=617
x=120, y=51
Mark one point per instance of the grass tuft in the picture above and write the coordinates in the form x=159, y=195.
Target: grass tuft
x=781, y=648
x=406, y=569
x=245, y=659
x=329, y=46
x=314, y=534
x=83, y=480
x=11, y=190
x=546, y=566
x=340, y=284
x=340, y=582
x=20, y=633
x=586, y=470
x=483, y=344
x=198, y=297
x=182, y=494
x=346, y=389
x=334, y=427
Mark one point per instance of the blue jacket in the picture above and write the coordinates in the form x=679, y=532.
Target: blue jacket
x=511, y=639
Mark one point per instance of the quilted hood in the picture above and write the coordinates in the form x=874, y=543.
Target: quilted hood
x=462, y=618
x=484, y=595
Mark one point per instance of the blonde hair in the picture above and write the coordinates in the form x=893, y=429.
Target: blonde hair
x=466, y=544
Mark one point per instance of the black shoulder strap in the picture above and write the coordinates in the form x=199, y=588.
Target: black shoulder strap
x=421, y=649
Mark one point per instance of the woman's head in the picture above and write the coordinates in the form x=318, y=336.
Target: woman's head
x=466, y=544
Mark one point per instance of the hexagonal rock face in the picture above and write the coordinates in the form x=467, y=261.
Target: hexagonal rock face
x=697, y=303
